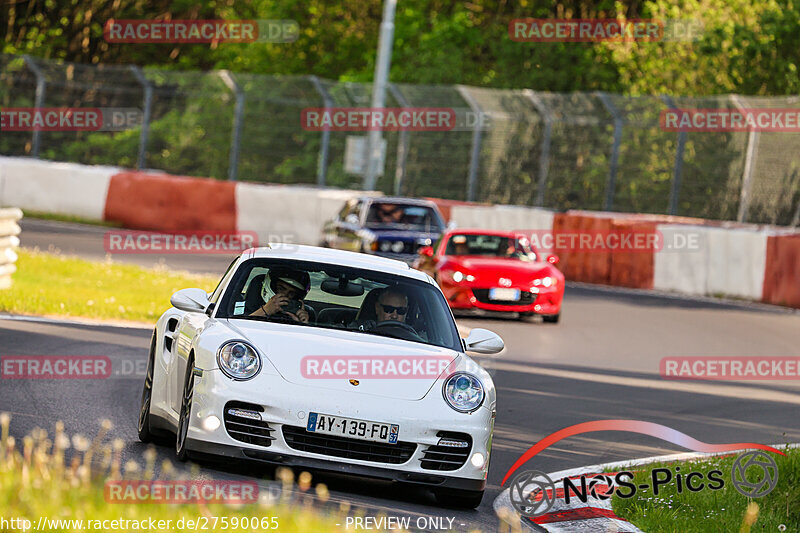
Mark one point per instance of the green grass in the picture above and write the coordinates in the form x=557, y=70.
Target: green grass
x=54, y=285
x=63, y=478
x=713, y=511
x=69, y=218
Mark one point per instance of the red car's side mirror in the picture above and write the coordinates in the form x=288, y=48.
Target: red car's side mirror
x=552, y=259
x=426, y=251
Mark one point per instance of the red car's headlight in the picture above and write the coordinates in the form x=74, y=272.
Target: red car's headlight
x=547, y=281
x=459, y=276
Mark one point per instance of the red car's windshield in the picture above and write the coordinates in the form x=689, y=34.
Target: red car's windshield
x=489, y=246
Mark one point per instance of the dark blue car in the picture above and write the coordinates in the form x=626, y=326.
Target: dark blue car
x=386, y=226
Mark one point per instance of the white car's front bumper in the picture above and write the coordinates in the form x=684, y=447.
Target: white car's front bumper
x=285, y=407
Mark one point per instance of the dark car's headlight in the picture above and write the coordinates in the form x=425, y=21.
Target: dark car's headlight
x=238, y=360
x=463, y=392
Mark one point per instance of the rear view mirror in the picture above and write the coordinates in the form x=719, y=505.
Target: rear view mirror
x=342, y=287
x=426, y=251
x=351, y=219
x=552, y=259
x=484, y=341
x=190, y=300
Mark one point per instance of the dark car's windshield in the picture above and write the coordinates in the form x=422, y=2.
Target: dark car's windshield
x=417, y=217
x=490, y=246
x=344, y=298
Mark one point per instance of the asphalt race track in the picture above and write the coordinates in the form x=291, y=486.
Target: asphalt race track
x=600, y=362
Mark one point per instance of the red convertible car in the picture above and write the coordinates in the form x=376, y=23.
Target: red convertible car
x=494, y=271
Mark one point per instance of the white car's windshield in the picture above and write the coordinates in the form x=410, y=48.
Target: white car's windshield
x=339, y=297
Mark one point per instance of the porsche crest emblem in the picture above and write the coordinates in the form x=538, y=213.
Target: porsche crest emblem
x=354, y=382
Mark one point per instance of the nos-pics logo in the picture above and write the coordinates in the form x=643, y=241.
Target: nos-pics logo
x=754, y=474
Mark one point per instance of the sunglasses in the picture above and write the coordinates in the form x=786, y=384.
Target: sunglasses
x=390, y=309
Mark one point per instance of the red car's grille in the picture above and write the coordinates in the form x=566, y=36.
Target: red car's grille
x=525, y=298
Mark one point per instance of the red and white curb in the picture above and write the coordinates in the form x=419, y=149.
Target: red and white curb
x=596, y=515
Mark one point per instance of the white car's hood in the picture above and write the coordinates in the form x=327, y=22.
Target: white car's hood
x=286, y=346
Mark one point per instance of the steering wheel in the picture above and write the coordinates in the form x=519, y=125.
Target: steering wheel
x=397, y=325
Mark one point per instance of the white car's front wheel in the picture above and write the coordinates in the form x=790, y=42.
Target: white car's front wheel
x=186, y=412
x=147, y=394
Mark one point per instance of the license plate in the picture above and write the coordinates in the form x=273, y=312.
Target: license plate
x=353, y=428
x=506, y=295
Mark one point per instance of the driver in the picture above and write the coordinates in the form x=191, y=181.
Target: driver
x=392, y=304
x=289, y=288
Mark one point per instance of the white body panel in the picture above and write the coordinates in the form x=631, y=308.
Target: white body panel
x=287, y=397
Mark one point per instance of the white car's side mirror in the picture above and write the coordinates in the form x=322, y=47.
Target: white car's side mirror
x=482, y=340
x=452, y=225
x=190, y=300
x=351, y=219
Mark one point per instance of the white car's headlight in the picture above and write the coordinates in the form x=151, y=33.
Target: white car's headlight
x=238, y=360
x=464, y=392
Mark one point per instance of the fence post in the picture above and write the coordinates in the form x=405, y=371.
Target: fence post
x=402, y=143
x=41, y=88
x=322, y=165
x=238, y=118
x=612, y=170
x=148, y=106
x=675, y=189
x=544, y=150
x=749, y=165
x=474, y=160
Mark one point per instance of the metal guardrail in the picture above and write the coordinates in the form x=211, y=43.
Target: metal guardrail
x=590, y=150
x=9, y=242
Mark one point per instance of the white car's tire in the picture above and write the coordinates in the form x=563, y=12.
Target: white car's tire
x=145, y=435
x=186, y=412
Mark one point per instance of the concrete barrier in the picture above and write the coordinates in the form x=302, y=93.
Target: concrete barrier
x=725, y=261
x=163, y=202
x=782, y=269
x=9, y=242
x=52, y=187
x=502, y=217
x=736, y=262
x=288, y=213
x=730, y=259
x=633, y=268
x=684, y=271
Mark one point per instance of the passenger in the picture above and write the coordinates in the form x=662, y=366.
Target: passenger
x=290, y=287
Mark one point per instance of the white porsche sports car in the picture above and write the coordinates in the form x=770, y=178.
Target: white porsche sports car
x=328, y=360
